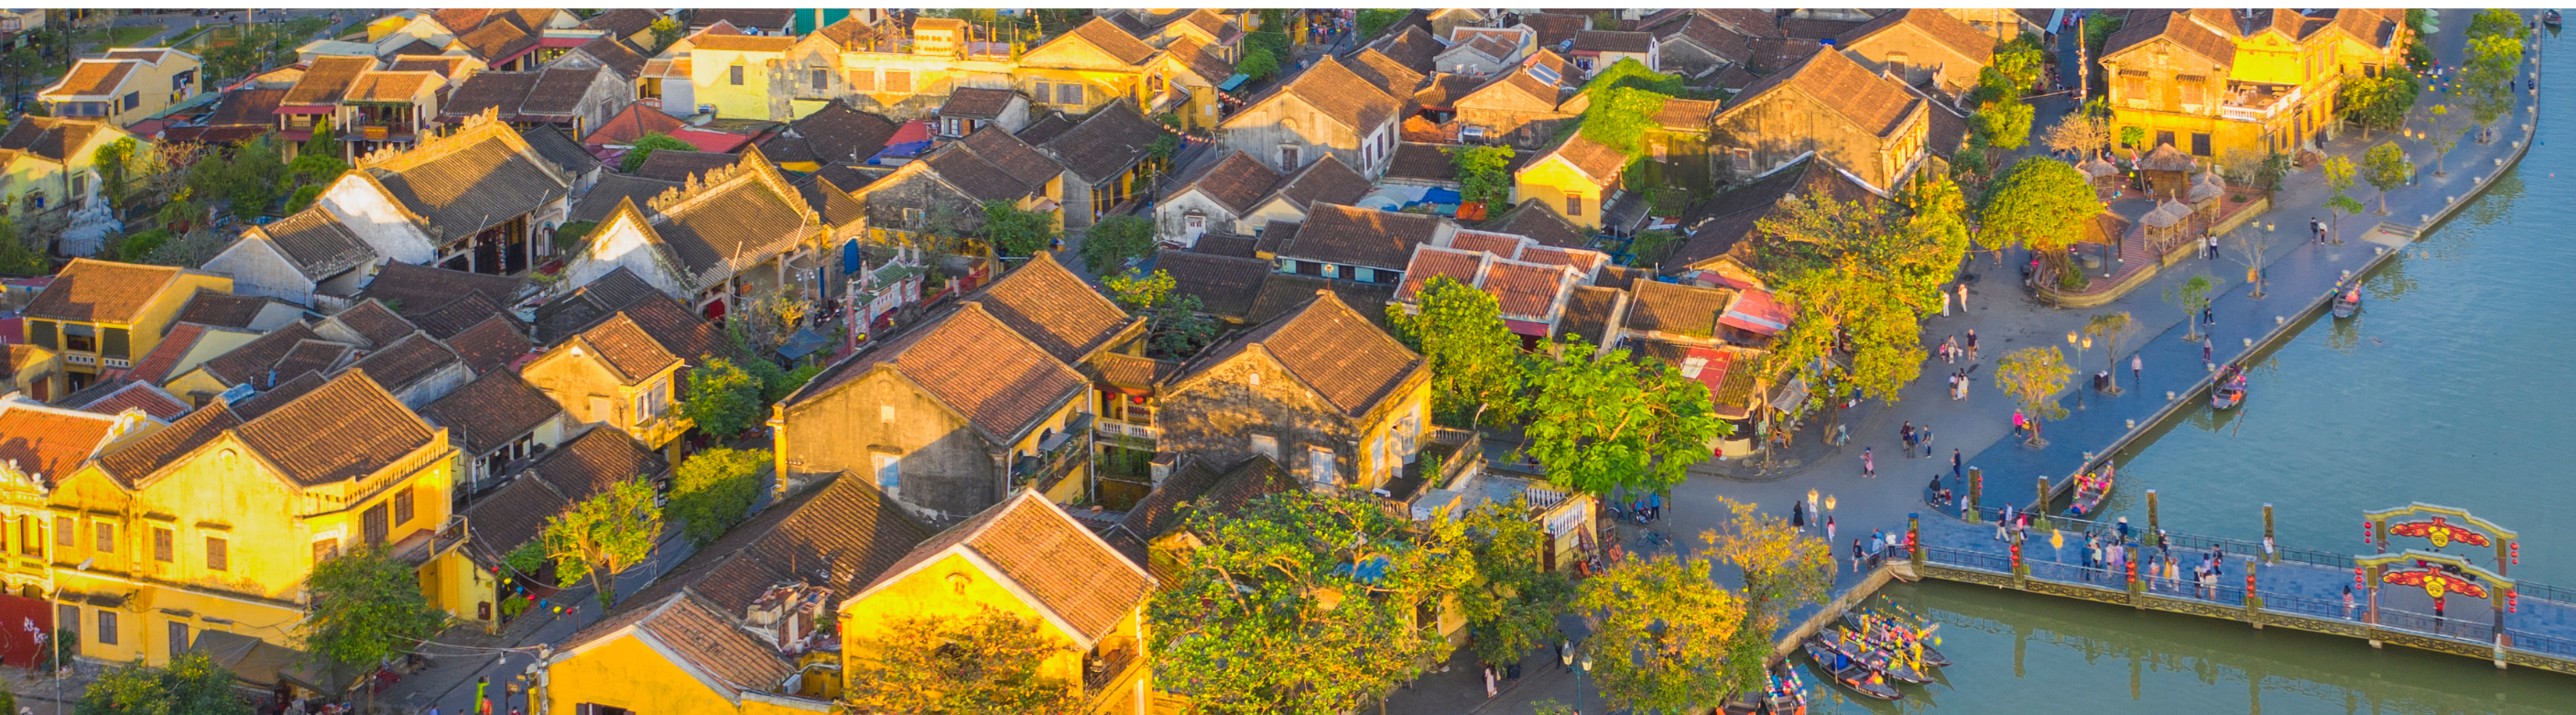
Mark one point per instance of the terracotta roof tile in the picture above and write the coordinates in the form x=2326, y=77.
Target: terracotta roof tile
x=595, y=460
x=391, y=86
x=1362, y=237
x=1105, y=144
x=1613, y=41
x=1284, y=292
x=838, y=134
x=622, y=21
x=1117, y=43
x=1225, y=285
x=222, y=310
x=1527, y=291
x=978, y=102
x=1201, y=60
x=1422, y=162
x=376, y=323
x=275, y=396
x=496, y=42
x=1068, y=570
x=711, y=643
x=1337, y=92
x=457, y=315
x=101, y=292
x=632, y=123
x=139, y=395
x=614, y=54
x=490, y=344
x=1054, y=308
x=1217, y=244
x=407, y=361
x=613, y=187
x=411, y=289
x=1593, y=158
x=626, y=348
x=92, y=78
x=1941, y=26
x=251, y=362
x=461, y=186
x=49, y=443
x=1331, y=347
x=1235, y=182
x=318, y=244
x=132, y=462
x=737, y=223
x=755, y=18
x=502, y=91
x=1386, y=73
x=1721, y=224
x=1589, y=312
x=513, y=515
x=1325, y=180
x=975, y=364
x=1872, y=104
x=1433, y=262
x=155, y=366
x=1677, y=309
x=489, y=412
x=1045, y=128
x=1554, y=28
x=346, y=429
x=1413, y=47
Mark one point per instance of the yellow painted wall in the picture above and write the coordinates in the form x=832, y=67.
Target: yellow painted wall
x=151, y=85
x=1550, y=180
x=572, y=381
x=628, y=674
x=1099, y=87
x=714, y=82
x=225, y=490
x=954, y=587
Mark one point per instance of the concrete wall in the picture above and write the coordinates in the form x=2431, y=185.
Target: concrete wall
x=377, y=219
x=1288, y=121
x=944, y=464
x=1782, y=124
x=257, y=268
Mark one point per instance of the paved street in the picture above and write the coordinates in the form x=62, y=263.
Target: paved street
x=2005, y=318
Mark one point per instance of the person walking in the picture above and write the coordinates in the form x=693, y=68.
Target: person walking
x=1906, y=433
x=1956, y=473
x=2137, y=370
x=1945, y=304
x=2347, y=602
x=1868, y=465
x=2207, y=349
x=1829, y=528
x=1963, y=299
x=1972, y=346
x=1925, y=437
x=2208, y=316
x=1798, y=515
x=1859, y=558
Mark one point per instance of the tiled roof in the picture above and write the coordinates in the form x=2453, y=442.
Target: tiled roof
x=1013, y=156
x=1421, y=162
x=595, y=460
x=318, y=244
x=1554, y=28
x=1329, y=346
x=1431, y=262
x=1136, y=371
x=631, y=123
x=616, y=55
x=1324, y=180
x=513, y=515
x=1589, y=312
x=1414, y=48
x=406, y=361
x=1198, y=485
x=677, y=329
x=155, y=366
x=489, y=412
x=490, y=344
x=977, y=102
x=614, y=186
x=590, y=303
x=346, y=429
x=1070, y=572
x=771, y=19
x=1941, y=26
x=711, y=644
x=1235, y=182
x=1054, y=308
x=92, y=78
x=376, y=323
x=1340, y=94
x=1284, y=292
x=555, y=146
x=459, y=190
x=1201, y=60
x=1356, y=236
x=1870, y=103
x=278, y=395
x=849, y=33
x=50, y=443
x=49, y=137
x=622, y=21
x=390, y=86
x=1385, y=73
x=1109, y=39
x=1225, y=285
x=139, y=395
x=1105, y=144
x=222, y=310
x=247, y=106
x=251, y=362
x=1595, y=159
x=1007, y=385
x=1526, y=290
x=959, y=166
x=1813, y=29
x=2193, y=37
x=497, y=41
x=1045, y=128
x=626, y=348
x=1613, y=41
x=101, y=292
x=1443, y=91
x=411, y=289
x=558, y=92
x=1217, y=244
x=676, y=165
x=736, y=223
x=829, y=201
x=835, y=134
x=129, y=463
x=1708, y=34
x=1717, y=226
x=1678, y=309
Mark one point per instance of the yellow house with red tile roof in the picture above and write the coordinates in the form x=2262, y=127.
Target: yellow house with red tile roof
x=124, y=87
x=101, y=316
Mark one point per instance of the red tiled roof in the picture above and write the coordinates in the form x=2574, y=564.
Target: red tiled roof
x=346, y=429
x=139, y=395
x=50, y=443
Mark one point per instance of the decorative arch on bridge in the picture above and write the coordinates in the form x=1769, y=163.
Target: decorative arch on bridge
x=2463, y=578
x=2435, y=523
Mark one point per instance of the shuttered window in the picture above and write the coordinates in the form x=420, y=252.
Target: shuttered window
x=165, y=545
x=113, y=342
x=402, y=506
x=373, y=522
x=898, y=80
x=1068, y=94
x=863, y=80
x=219, y=554
x=41, y=332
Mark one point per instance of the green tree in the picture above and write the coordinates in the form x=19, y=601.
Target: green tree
x=1601, y=423
x=2016, y=68
x=1783, y=568
x=2040, y=204
x=2133, y=136
x=18, y=256
x=666, y=30
x=713, y=490
x=1374, y=21
x=1867, y=271
x=991, y=662
x=2340, y=172
x=2000, y=127
x=303, y=198
x=114, y=162
x=1016, y=232
x=2380, y=102
x=1114, y=241
x=1176, y=324
x=1661, y=632
x=2389, y=169
x=1620, y=116
x=602, y=535
x=1476, y=363
x=316, y=168
x=1269, y=614
x=191, y=683
x=1650, y=248
x=366, y=609
x=724, y=400
x=644, y=147
x=1484, y=173
x=1258, y=63
x=1512, y=604
x=2032, y=376
x=2498, y=22
x=2489, y=78
x=2107, y=327
x=2190, y=295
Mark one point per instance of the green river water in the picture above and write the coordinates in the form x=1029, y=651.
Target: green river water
x=2456, y=386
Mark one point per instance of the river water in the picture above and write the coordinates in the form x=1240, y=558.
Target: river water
x=2453, y=387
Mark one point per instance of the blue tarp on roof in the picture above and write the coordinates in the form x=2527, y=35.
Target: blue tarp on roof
x=906, y=149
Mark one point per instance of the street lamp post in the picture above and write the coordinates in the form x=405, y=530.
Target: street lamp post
x=1586, y=665
x=2078, y=342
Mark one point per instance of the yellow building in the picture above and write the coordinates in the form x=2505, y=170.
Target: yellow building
x=1080, y=71
x=1579, y=178
x=732, y=629
x=102, y=316
x=1026, y=558
x=741, y=75
x=213, y=522
x=616, y=374
x=2235, y=85
x=47, y=164
x=127, y=86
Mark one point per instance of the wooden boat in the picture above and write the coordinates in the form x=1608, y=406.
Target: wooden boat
x=1853, y=675
x=2347, y=302
x=1787, y=694
x=1878, y=659
x=2228, y=390
x=1857, y=623
x=2549, y=18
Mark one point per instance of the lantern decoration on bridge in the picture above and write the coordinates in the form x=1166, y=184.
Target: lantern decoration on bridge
x=2016, y=553
x=2440, y=531
x=2358, y=580
x=2368, y=534
x=2437, y=583
x=2512, y=601
x=2516, y=548
x=2133, y=571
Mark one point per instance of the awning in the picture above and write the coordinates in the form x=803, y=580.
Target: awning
x=1525, y=327
x=1232, y=82
x=1791, y=396
x=264, y=664
x=803, y=343
x=307, y=108
x=1756, y=312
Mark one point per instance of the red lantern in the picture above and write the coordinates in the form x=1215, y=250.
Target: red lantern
x=2249, y=580
x=2368, y=534
x=2512, y=601
x=2133, y=571
x=2358, y=579
x=2016, y=554
x=2516, y=548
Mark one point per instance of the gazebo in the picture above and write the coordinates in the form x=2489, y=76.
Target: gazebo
x=2205, y=193
x=2165, y=225
x=2167, y=171
x=2105, y=175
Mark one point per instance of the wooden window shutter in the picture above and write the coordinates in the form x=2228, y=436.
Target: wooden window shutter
x=41, y=332
x=113, y=342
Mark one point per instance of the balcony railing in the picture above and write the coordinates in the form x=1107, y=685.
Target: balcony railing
x=1121, y=428
x=1098, y=673
x=660, y=429
x=1057, y=455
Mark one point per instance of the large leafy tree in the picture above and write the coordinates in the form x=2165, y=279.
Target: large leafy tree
x=987, y=663
x=713, y=490
x=603, y=535
x=1017, y=232
x=1662, y=630
x=367, y=609
x=2032, y=376
x=2388, y=169
x=1484, y=173
x=1116, y=240
x=644, y=147
x=190, y=683
x=2489, y=77
x=1865, y=270
x=1604, y=423
x=724, y=400
x=2340, y=173
x=2039, y=204
x=1303, y=603
x=2079, y=135
x=2380, y=102
x=1512, y=604
x=1783, y=568
x=1476, y=367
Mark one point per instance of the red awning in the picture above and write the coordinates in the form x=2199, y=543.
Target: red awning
x=306, y=108
x=1525, y=327
x=1754, y=311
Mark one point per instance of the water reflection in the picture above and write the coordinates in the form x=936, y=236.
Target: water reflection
x=2070, y=656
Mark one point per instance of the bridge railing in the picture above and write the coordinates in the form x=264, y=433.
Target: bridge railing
x=2545, y=645
x=1979, y=560
x=2545, y=592
x=2471, y=630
